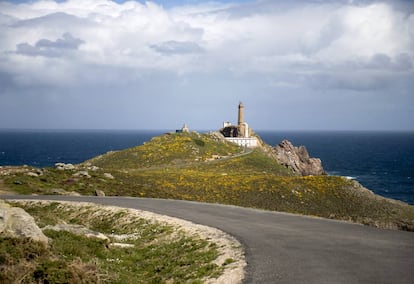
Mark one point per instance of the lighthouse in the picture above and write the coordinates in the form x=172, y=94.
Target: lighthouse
x=243, y=128
x=240, y=119
x=240, y=133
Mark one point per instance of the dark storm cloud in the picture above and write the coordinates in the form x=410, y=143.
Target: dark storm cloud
x=48, y=48
x=401, y=62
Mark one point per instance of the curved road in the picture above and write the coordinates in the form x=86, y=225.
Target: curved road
x=286, y=248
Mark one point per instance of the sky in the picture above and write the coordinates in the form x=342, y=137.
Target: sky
x=295, y=65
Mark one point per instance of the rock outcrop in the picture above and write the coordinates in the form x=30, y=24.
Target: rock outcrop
x=17, y=223
x=217, y=136
x=82, y=174
x=64, y=167
x=99, y=192
x=297, y=159
x=108, y=176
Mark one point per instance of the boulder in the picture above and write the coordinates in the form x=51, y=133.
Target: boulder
x=90, y=167
x=297, y=159
x=93, y=168
x=64, y=167
x=217, y=136
x=108, y=176
x=35, y=173
x=82, y=174
x=99, y=192
x=17, y=223
x=68, y=167
x=59, y=166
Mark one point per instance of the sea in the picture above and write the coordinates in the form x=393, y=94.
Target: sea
x=381, y=161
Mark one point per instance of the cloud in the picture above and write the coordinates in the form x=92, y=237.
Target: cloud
x=48, y=48
x=255, y=47
x=258, y=36
x=177, y=47
x=59, y=20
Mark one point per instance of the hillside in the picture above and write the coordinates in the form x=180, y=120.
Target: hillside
x=170, y=149
x=203, y=167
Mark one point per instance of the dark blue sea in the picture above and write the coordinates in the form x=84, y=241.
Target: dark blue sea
x=381, y=161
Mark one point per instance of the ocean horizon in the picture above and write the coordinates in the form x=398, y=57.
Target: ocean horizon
x=382, y=161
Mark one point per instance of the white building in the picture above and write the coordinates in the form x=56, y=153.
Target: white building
x=239, y=134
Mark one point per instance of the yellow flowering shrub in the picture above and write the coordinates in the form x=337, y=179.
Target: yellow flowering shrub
x=197, y=167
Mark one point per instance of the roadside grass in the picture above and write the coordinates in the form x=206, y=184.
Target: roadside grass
x=323, y=196
x=54, y=182
x=159, y=254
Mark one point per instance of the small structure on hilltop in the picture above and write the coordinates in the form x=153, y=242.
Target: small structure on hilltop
x=240, y=133
x=183, y=129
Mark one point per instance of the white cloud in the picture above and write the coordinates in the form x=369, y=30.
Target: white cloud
x=319, y=45
x=134, y=35
x=177, y=47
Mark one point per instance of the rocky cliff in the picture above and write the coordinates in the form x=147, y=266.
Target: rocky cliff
x=297, y=159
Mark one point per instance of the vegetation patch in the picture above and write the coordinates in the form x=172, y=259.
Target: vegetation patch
x=155, y=252
x=200, y=167
x=168, y=149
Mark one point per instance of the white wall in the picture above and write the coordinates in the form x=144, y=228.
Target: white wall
x=244, y=142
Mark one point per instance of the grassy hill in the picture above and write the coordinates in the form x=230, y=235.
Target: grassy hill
x=203, y=167
x=171, y=149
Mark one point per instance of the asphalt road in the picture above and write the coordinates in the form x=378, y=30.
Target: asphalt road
x=286, y=248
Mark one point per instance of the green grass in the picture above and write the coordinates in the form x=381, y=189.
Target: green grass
x=179, y=166
x=168, y=149
x=160, y=253
x=56, y=179
x=257, y=162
